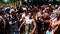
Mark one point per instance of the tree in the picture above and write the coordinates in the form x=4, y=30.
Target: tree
x=12, y=1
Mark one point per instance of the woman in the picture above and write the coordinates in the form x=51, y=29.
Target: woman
x=55, y=22
x=28, y=21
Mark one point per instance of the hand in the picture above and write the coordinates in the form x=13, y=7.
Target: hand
x=10, y=22
x=32, y=17
x=19, y=30
x=31, y=33
x=15, y=21
x=46, y=21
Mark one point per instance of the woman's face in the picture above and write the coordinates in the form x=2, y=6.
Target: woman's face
x=13, y=13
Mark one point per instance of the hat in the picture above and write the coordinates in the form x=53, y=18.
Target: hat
x=56, y=5
x=12, y=10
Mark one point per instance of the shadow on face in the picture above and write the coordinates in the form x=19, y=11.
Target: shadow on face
x=13, y=13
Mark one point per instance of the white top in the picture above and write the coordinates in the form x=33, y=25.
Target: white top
x=28, y=21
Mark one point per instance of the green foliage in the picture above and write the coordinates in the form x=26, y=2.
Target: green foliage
x=12, y=1
x=9, y=1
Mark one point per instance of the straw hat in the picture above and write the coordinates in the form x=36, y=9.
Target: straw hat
x=12, y=10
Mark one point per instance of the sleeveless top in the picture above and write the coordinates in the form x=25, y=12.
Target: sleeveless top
x=28, y=21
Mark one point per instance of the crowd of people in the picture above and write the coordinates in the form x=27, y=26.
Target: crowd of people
x=30, y=19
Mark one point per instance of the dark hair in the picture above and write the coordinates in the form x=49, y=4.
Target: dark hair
x=58, y=30
x=1, y=12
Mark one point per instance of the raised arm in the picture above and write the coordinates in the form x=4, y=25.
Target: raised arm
x=21, y=24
